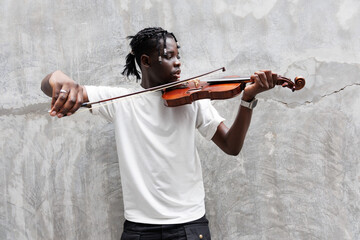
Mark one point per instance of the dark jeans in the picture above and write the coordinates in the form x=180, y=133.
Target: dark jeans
x=195, y=230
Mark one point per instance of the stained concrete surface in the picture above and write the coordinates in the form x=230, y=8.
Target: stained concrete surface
x=298, y=175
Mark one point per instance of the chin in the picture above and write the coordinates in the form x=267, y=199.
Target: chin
x=170, y=80
x=175, y=78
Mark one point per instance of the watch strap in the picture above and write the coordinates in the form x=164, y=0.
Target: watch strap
x=250, y=105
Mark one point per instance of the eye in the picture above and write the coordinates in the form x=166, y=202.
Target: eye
x=171, y=55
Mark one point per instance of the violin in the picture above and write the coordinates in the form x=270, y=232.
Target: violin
x=218, y=89
x=192, y=89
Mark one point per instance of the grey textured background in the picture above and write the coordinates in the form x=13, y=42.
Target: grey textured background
x=298, y=176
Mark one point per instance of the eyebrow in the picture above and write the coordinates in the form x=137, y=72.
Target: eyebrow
x=171, y=52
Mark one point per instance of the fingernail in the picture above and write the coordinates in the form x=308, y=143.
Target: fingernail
x=69, y=114
x=60, y=115
x=53, y=113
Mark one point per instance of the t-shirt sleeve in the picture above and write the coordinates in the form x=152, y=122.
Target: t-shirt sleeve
x=208, y=119
x=106, y=109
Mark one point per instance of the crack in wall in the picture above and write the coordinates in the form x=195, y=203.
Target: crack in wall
x=293, y=105
x=341, y=89
x=36, y=109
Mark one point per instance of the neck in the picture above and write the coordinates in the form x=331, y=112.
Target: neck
x=147, y=80
x=145, y=84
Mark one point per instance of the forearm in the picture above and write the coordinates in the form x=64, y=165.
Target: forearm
x=231, y=140
x=238, y=131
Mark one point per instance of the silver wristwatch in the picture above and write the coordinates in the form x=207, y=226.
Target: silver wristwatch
x=249, y=105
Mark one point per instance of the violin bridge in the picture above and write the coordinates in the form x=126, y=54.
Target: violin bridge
x=196, y=82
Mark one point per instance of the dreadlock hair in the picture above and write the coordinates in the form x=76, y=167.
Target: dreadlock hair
x=144, y=42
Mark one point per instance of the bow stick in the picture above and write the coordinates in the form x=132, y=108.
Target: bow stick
x=153, y=89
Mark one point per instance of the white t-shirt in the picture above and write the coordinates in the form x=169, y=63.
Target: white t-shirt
x=159, y=165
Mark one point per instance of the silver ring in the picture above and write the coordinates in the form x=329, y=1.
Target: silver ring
x=63, y=91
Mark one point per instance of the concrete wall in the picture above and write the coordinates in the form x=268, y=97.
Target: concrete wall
x=298, y=176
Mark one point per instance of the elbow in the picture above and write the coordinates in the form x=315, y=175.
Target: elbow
x=233, y=152
x=231, y=149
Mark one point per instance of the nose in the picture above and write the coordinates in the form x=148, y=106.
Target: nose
x=177, y=63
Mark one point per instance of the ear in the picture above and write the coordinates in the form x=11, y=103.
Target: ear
x=145, y=60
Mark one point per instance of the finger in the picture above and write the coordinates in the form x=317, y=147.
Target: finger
x=77, y=105
x=269, y=78
x=69, y=103
x=274, y=78
x=59, y=103
x=262, y=77
x=256, y=80
x=55, y=94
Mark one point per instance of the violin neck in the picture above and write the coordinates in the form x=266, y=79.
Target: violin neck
x=229, y=80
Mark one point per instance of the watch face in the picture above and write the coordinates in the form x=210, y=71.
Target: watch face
x=253, y=103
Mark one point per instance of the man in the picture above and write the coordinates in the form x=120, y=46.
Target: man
x=159, y=165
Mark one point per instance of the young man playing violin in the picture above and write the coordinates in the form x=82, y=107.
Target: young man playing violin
x=159, y=164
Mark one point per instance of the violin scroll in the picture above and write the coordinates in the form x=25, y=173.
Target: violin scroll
x=298, y=83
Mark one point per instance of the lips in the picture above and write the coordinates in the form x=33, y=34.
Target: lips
x=176, y=73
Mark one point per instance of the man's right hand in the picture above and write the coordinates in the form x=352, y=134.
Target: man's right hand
x=67, y=95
